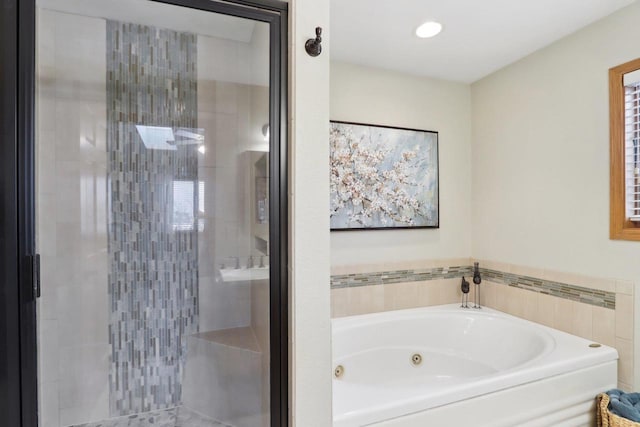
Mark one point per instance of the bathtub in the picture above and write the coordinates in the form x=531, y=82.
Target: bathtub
x=449, y=366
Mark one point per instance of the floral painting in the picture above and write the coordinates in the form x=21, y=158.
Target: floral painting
x=383, y=177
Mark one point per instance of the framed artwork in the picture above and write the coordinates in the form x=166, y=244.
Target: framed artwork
x=383, y=177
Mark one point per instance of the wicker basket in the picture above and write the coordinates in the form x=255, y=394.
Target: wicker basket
x=608, y=419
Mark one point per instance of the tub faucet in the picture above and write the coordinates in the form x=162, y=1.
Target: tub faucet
x=477, y=280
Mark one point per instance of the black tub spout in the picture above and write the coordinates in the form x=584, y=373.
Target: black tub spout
x=477, y=280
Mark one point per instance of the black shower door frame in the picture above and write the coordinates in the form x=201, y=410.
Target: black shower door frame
x=19, y=287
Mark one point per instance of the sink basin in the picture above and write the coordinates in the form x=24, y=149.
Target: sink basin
x=244, y=274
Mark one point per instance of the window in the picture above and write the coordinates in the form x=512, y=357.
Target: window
x=624, y=98
x=183, y=205
x=632, y=145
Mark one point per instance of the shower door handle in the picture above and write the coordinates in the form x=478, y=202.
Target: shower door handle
x=35, y=275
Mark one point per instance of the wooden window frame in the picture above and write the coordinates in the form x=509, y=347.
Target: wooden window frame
x=621, y=228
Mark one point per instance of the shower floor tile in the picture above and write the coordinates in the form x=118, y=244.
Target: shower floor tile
x=174, y=417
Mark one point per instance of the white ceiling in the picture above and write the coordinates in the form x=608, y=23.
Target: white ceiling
x=478, y=38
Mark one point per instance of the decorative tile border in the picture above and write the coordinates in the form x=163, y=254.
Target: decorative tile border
x=398, y=276
x=594, y=297
x=581, y=294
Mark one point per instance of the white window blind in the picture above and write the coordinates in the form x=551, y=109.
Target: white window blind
x=632, y=149
x=183, y=205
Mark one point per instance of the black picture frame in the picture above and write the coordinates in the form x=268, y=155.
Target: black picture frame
x=437, y=160
x=19, y=288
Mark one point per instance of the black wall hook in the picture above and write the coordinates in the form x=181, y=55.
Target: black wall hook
x=314, y=46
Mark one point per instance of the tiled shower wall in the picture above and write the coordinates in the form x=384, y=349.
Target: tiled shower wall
x=71, y=172
x=153, y=274
x=232, y=114
x=593, y=308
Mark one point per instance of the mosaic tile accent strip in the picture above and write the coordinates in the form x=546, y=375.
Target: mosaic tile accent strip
x=153, y=266
x=562, y=290
x=398, y=276
x=590, y=296
x=174, y=417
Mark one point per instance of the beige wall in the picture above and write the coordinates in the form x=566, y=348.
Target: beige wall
x=540, y=180
x=366, y=95
x=540, y=155
x=310, y=325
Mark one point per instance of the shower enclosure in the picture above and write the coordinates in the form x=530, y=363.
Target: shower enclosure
x=154, y=195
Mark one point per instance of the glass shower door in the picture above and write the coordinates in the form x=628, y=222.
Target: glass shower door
x=152, y=210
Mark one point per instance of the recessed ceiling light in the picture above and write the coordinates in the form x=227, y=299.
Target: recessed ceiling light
x=429, y=29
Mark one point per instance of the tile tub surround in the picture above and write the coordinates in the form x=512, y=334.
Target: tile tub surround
x=593, y=308
x=365, y=289
x=596, y=297
x=608, y=324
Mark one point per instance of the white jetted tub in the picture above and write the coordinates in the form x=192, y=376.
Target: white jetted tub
x=449, y=366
